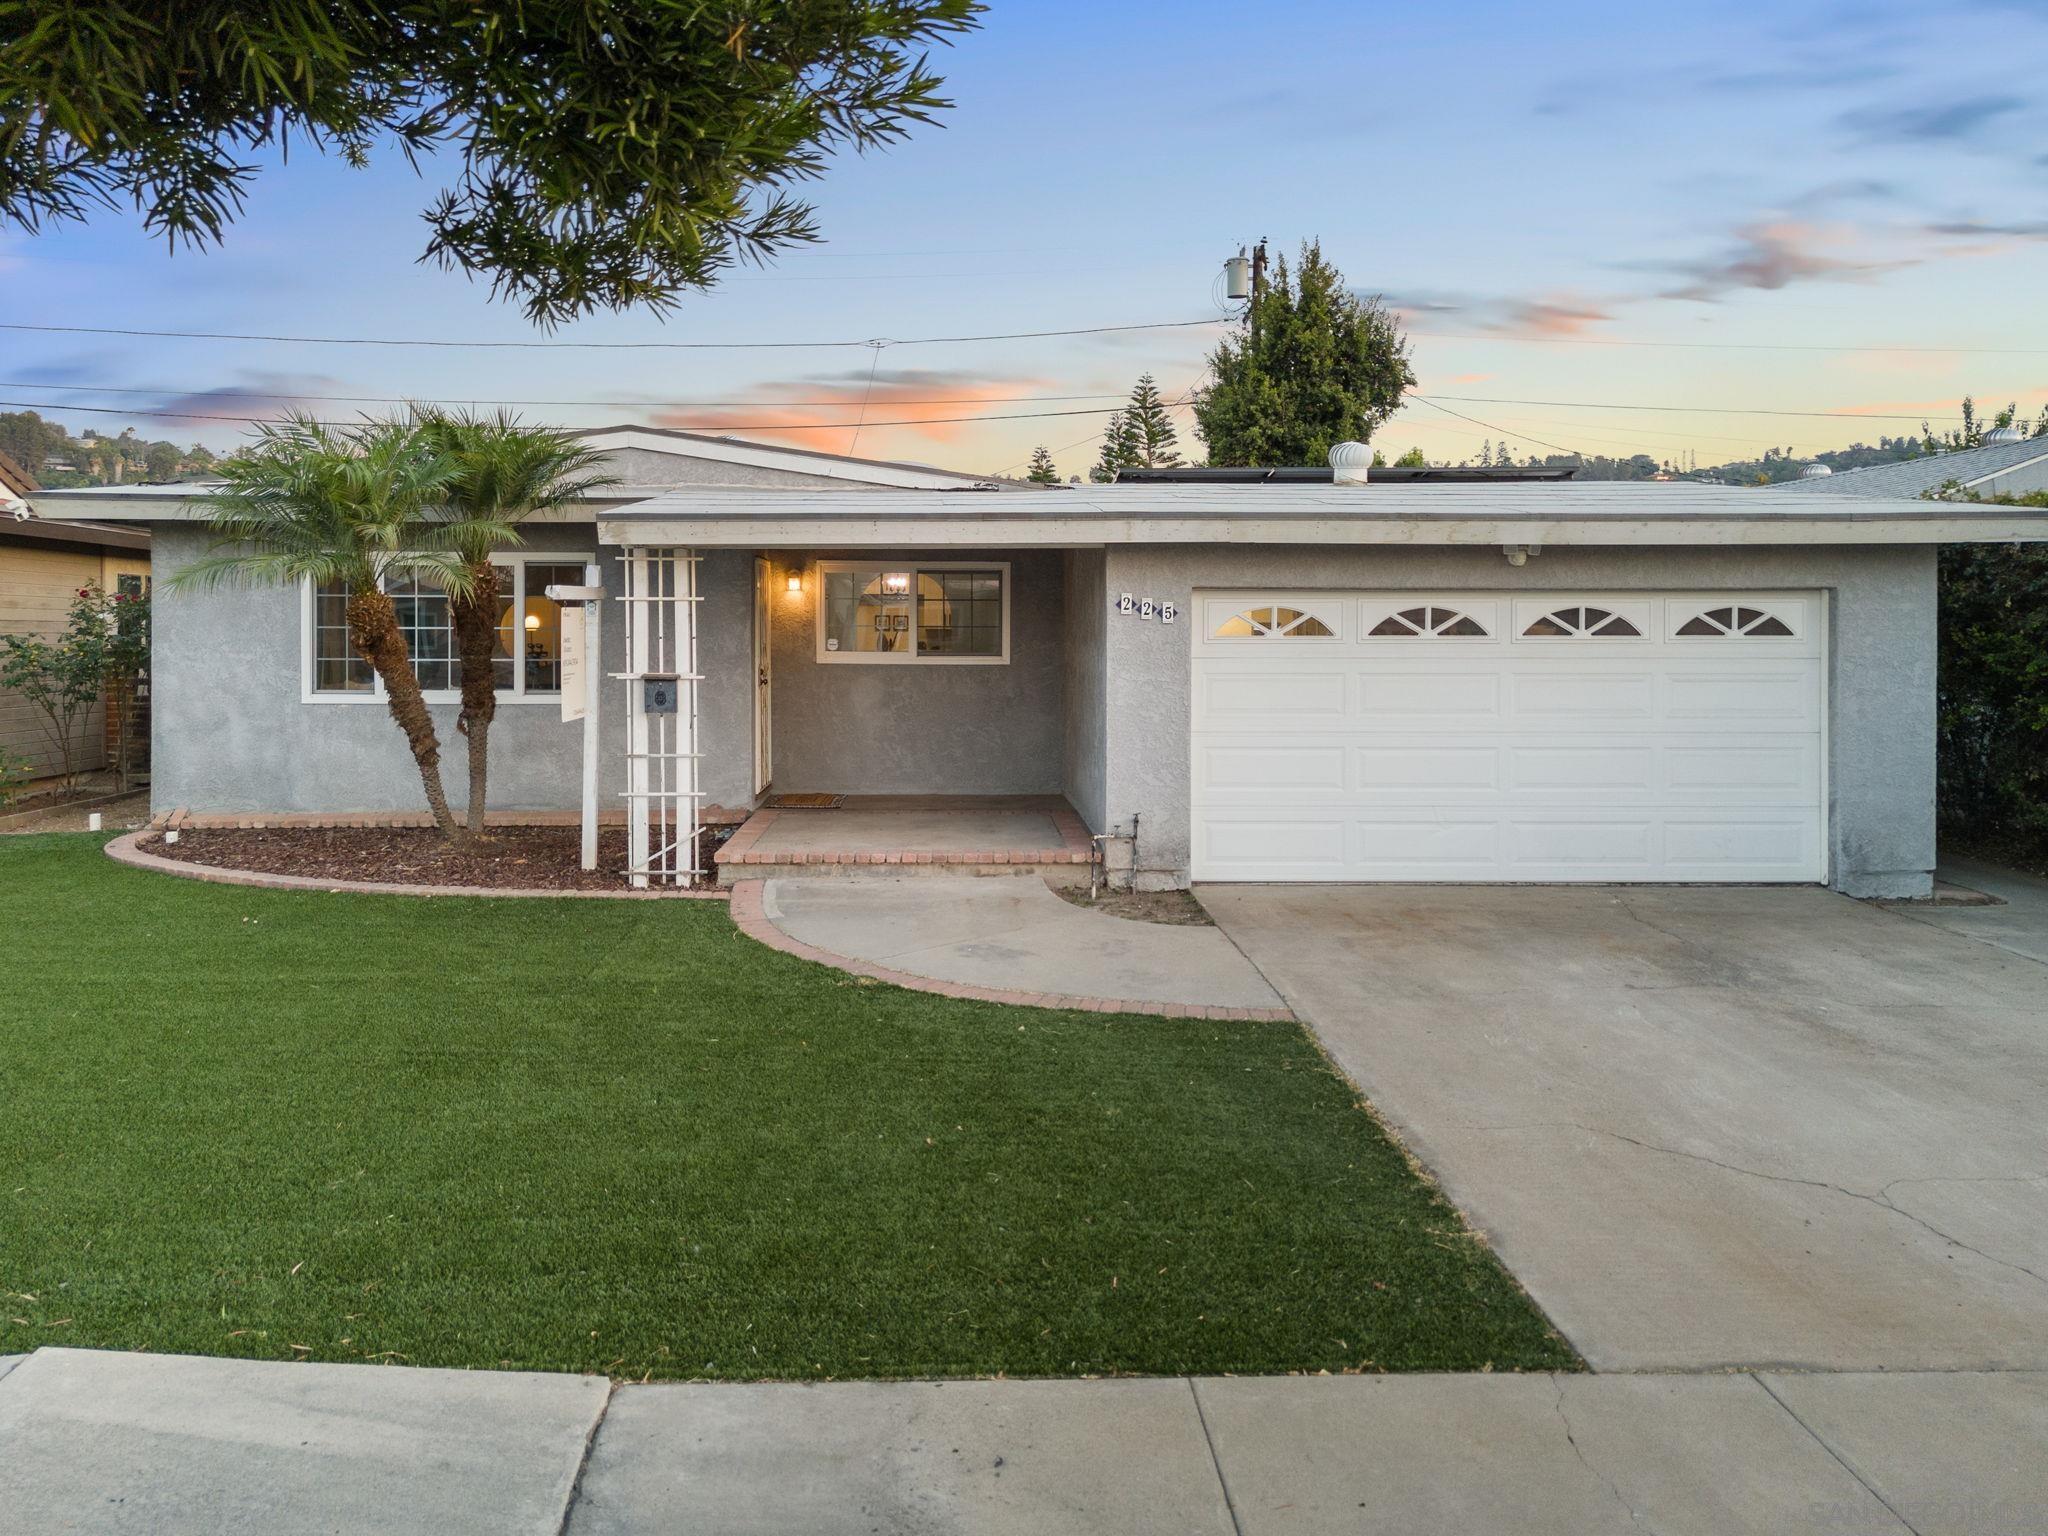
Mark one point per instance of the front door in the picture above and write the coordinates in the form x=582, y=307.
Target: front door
x=764, y=713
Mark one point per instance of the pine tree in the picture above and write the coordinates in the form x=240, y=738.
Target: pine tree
x=1042, y=470
x=1119, y=450
x=1150, y=428
x=1312, y=366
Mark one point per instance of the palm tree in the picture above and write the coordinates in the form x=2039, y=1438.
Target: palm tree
x=352, y=506
x=501, y=473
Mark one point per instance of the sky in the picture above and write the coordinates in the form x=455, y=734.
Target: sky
x=1578, y=207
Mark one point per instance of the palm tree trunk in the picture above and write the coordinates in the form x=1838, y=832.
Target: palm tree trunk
x=373, y=627
x=475, y=619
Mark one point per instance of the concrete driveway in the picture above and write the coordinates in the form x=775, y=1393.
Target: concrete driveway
x=1705, y=1127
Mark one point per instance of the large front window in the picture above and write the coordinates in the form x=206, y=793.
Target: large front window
x=932, y=611
x=529, y=652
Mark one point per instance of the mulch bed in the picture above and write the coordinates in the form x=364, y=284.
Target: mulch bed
x=507, y=858
x=1176, y=909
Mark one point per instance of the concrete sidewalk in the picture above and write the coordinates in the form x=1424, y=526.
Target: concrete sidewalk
x=109, y=1444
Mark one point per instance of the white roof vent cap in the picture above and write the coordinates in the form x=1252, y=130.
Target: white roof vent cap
x=1815, y=472
x=2005, y=435
x=1349, y=463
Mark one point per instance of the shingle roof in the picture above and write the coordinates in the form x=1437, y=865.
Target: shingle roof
x=1910, y=477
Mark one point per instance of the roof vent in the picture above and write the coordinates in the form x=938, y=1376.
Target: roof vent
x=1349, y=463
x=1815, y=472
x=2005, y=435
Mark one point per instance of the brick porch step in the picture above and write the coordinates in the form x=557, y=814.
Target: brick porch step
x=1062, y=865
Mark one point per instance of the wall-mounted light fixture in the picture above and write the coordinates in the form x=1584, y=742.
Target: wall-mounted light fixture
x=793, y=584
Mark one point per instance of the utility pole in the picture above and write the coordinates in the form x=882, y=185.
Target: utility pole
x=1258, y=287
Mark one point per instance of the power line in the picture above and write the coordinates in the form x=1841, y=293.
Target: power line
x=1728, y=346
x=605, y=346
x=722, y=426
x=224, y=395
x=1705, y=410
x=1521, y=437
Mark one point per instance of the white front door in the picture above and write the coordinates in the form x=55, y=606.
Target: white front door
x=764, y=678
x=1625, y=736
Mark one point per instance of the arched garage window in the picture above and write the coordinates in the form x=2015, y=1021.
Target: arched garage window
x=1276, y=623
x=1427, y=624
x=1724, y=623
x=1583, y=624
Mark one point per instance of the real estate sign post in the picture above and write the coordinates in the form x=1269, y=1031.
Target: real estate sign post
x=581, y=674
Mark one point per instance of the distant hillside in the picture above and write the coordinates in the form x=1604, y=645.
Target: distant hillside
x=47, y=450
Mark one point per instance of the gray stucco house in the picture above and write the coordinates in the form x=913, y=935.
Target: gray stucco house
x=1285, y=680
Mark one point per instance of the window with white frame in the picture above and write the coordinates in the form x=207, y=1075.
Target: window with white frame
x=529, y=654
x=931, y=611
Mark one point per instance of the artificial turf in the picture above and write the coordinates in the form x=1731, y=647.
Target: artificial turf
x=620, y=1137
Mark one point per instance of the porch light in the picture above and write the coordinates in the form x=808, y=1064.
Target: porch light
x=794, y=583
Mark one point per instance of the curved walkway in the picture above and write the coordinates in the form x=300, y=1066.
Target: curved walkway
x=1005, y=939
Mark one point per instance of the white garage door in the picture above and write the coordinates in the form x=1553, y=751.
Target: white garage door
x=1496, y=736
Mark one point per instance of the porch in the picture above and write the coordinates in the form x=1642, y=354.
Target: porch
x=910, y=835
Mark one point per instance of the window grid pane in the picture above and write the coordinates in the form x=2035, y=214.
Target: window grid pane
x=429, y=637
x=336, y=666
x=541, y=628
x=960, y=613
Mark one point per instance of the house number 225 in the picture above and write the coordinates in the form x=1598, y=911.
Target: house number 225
x=1146, y=608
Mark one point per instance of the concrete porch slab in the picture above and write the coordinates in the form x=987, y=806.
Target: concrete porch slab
x=107, y=1443
x=1014, y=936
x=1009, y=835
x=863, y=831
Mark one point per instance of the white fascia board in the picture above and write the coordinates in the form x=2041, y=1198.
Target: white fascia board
x=760, y=456
x=168, y=504
x=1942, y=526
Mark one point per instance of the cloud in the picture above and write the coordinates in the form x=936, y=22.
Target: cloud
x=1971, y=229
x=1546, y=315
x=255, y=395
x=1770, y=257
x=1549, y=317
x=804, y=411
x=1941, y=122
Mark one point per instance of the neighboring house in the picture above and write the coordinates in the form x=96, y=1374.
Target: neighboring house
x=1484, y=677
x=2011, y=463
x=43, y=563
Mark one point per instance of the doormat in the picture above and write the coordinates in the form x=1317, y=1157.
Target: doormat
x=805, y=802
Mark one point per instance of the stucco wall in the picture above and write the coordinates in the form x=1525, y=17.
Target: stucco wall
x=850, y=728
x=1085, y=675
x=1881, y=686
x=230, y=731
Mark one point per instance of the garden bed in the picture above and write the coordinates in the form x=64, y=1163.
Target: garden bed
x=507, y=858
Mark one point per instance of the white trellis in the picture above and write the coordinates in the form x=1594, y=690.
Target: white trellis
x=661, y=678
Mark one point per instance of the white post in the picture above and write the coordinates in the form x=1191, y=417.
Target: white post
x=593, y=674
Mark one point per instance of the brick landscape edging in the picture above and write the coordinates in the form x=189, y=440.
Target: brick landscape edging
x=128, y=850
x=750, y=916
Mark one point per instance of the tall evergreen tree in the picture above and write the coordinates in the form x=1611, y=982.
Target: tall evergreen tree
x=1152, y=437
x=1313, y=365
x=1119, y=450
x=1042, y=470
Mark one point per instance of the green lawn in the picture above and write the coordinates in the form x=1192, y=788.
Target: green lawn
x=619, y=1137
